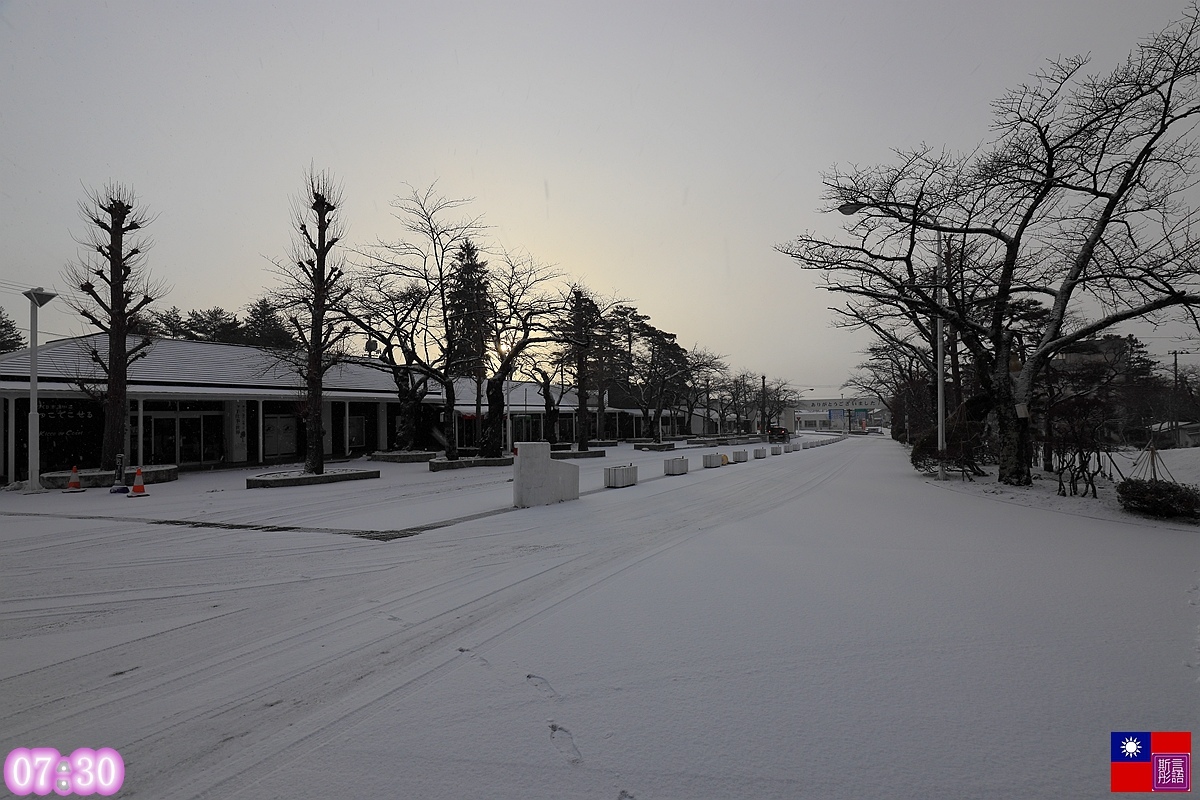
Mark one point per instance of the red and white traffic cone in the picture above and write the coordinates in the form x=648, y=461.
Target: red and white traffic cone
x=73, y=485
x=139, y=488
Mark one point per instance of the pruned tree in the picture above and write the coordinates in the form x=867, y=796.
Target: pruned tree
x=113, y=287
x=11, y=337
x=1082, y=200
x=313, y=288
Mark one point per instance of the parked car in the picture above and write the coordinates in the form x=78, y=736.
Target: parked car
x=779, y=435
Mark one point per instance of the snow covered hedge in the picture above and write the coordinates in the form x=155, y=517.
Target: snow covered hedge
x=1159, y=498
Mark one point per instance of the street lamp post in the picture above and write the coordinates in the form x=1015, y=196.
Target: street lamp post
x=764, y=404
x=37, y=298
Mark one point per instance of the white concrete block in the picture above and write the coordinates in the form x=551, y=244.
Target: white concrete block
x=712, y=460
x=739, y=456
x=675, y=466
x=620, y=477
x=760, y=452
x=539, y=480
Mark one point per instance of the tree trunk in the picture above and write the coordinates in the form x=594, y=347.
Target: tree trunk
x=449, y=424
x=493, y=432
x=116, y=407
x=1012, y=432
x=314, y=456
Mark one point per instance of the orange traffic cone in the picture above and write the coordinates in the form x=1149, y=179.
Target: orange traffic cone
x=73, y=484
x=139, y=488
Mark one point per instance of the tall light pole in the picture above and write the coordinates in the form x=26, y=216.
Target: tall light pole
x=37, y=298
x=764, y=405
x=941, y=363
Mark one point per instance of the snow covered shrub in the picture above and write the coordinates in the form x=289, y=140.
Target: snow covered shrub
x=966, y=448
x=1159, y=498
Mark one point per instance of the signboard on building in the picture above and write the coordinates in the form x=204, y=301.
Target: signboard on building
x=841, y=402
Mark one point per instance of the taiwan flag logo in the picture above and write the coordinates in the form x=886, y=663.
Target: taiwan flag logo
x=1151, y=761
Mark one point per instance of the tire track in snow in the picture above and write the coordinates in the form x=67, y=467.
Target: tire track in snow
x=291, y=745
x=489, y=598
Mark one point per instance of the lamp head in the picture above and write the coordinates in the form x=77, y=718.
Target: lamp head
x=39, y=296
x=851, y=208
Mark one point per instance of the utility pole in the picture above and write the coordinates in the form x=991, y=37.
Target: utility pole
x=764, y=404
x=581, y=347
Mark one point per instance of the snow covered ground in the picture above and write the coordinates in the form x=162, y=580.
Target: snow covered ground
x=821, y=624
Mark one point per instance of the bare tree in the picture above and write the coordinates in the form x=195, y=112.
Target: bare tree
x=525, y=316
x=1081, y=201
x=313, y=287
x=420, y=268
x=113, y=286
x=705, y=369
x=387, y=310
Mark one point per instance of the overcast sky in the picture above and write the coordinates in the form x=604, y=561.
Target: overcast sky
x=655, y=150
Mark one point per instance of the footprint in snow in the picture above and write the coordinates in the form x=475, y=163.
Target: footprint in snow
x=542, y=685
x=624, y=795
x=471, y=654
x=565, y=743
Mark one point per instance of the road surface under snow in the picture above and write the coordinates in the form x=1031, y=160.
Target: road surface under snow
x=822, y=624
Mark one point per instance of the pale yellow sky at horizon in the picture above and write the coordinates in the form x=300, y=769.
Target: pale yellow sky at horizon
x=655, y=150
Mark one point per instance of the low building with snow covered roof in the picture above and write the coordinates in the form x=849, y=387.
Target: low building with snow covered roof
x=208, y=404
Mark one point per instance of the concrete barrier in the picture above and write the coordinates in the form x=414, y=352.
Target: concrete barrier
x=620, y=477
x=539, y=480
x=760, y=452
x=739, y=456
x=712, y=460
x=102, y=479
x=776, y=449
x=675, y=466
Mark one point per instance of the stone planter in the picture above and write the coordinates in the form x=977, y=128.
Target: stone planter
x=403, y=456
x=760, y=452
x=275, y=480
x=559, y=455
x=440, y=464
x=712, y=460
x=620, y=477
x=739, y=456
x=675, y=466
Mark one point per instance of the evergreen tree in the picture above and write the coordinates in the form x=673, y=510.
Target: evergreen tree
x=264, y=327
x=11, y=337
x=169, y=324
x=214, y=325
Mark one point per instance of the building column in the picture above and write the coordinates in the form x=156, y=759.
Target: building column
x=346, y=428
x=260, y=432
x=381, y=428
x=141, y=432
x=11, y=435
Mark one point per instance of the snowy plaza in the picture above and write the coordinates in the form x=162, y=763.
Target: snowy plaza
x=827, y=623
